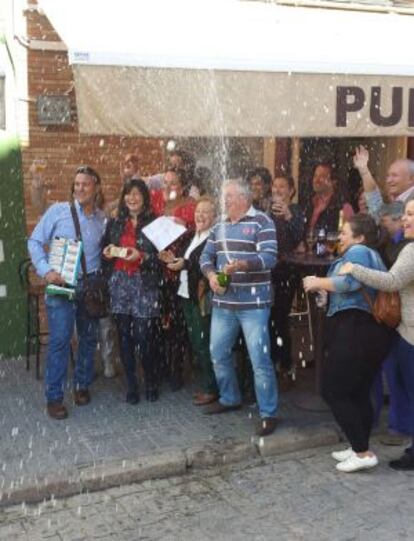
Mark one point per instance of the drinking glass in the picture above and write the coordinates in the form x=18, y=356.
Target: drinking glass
x=311, y=240
x=332, y=241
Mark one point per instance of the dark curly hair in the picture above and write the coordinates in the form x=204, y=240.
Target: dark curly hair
x=365, y=225
x=146, y=213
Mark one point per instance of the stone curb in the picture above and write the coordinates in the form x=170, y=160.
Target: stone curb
x=296, y=439
x=167, y=463
x=99, y=477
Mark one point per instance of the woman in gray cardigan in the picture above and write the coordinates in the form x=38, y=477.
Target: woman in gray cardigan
x=399, y=278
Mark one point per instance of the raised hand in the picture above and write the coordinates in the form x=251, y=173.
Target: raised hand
x=361, y=158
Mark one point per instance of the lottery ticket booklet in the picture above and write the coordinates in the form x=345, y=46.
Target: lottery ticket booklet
x=65, y=258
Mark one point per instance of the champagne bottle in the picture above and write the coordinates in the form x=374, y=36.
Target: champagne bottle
x=321, y=247
x=223, y=279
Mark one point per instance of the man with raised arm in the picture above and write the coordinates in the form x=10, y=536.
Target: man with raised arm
x=399, y=183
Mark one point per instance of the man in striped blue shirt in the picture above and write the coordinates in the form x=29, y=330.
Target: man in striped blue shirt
x=243, y=246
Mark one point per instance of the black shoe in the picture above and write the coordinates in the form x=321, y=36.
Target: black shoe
x=81, y=397
x=56, y=410
x=217, y=407
x=152, y=394
x=266, y=426
x=132, y=397
x=176, y=383
x=406, y=462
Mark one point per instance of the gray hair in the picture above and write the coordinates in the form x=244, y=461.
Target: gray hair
x=242, y=185
x=394, y=210
x=410, y=167
x=409, y=164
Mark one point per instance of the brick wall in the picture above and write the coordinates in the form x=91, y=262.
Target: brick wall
x=63, y=147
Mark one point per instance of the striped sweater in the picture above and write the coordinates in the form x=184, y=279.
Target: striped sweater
x=253, y=239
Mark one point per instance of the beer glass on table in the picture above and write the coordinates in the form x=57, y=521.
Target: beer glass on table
x=332, y=242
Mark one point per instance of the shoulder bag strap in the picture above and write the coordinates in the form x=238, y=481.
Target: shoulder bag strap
x=78, y=235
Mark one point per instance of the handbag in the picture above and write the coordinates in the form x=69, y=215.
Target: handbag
x=94, y=293
x=387, y=307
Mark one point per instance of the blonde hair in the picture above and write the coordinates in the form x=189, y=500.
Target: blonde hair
x=207, y=199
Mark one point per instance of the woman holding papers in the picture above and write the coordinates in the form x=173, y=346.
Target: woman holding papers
x=172, y=201
x=132, y=264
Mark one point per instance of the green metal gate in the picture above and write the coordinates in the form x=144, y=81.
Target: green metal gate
x=12, y=249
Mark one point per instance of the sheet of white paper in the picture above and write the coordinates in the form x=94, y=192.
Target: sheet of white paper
x=163, y=231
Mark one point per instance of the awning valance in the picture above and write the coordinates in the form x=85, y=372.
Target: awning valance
x=236, y=68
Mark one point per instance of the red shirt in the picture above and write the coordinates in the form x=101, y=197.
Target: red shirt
x=128, y=239
x=185, y=211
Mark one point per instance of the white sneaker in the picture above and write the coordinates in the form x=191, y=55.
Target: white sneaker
x=342, y=455
x=356, y=463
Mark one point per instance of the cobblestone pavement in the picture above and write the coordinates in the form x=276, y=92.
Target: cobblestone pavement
x=299, y=496
x=32, y=445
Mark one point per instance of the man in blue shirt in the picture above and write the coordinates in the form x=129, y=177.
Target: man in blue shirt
x=243, y=246
x=61, y=312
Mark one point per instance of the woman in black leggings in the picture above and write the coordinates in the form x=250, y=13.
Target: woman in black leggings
x=355, y=344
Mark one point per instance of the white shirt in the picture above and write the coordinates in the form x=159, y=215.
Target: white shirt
x=198, y=239
x=405, y=195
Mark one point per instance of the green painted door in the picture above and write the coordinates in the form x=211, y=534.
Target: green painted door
x=12, y=249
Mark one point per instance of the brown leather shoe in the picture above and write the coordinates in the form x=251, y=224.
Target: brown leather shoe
x=81, y=397
x=56, y=410
x=266, y=426
x=217, y=407
x=202, y=399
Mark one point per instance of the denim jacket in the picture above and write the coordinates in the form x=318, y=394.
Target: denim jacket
x=348, y=293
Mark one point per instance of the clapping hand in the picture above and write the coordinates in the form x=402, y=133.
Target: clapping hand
x=166, y=256
x=176, y=265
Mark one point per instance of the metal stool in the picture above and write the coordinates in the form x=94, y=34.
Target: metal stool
x=35, y=288
x=299, y=311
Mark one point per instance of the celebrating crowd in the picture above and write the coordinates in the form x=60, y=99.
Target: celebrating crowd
x=227, y=279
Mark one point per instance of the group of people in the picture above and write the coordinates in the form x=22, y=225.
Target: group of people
x=352, y=283
x=162, y=301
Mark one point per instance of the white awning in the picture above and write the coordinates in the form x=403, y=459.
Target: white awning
x=229, y=67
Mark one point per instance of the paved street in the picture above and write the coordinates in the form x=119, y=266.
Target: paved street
x=299, y=496
x=34, y=447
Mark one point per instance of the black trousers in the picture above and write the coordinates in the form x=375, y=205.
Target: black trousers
x=175, y=333
x=355, y=346
x=141, y=335
x=284, y=287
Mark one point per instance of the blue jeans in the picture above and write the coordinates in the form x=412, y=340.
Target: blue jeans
x=398, y=413
x=225, y=327
x=61, y=316
x=404, y=356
